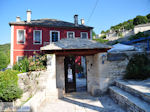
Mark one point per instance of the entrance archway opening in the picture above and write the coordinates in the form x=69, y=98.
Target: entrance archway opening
x=75, y=74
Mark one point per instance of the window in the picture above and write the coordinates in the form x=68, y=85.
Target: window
x=20, y=36
x=55, y=36
x=37, y=34
x=19, y=58
x=84, y=35
x=70, y=35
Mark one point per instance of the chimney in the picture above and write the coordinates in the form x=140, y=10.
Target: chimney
x=18, y=19
x=76, y=20
x=82, y=21
x=28, y=15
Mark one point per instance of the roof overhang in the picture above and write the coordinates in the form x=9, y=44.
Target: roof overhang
x=75, y=47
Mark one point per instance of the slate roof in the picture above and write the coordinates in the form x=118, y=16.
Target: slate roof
x=50, y=23
x=76, y=43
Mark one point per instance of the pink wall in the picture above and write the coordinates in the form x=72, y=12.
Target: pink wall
x=28, y=48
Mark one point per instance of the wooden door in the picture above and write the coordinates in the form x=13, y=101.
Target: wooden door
x=70, y=78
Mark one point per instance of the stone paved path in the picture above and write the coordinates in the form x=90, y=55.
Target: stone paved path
x=80, y=102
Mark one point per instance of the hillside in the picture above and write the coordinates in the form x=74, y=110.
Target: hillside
x=4, y=55
x=128, y=25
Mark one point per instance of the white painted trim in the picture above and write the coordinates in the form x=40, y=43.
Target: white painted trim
x=24, y=36
x=40, y=37
x=12, y=46
x=70, y=32
x=84, y=32
x=91, y=37
x=18, y=57
x=51, y=34
x=26, y=50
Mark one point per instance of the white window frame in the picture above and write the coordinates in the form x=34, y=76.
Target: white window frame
x=34, y=37
x=18, y=58
x=51, y=34
x=70, y=32
x=18, y=35
x=86, y=34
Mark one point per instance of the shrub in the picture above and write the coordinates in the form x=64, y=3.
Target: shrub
x=101, y=40
x=22, y=66
x=9, y=90
x=103, y=37
x=138, y=67
x=36, y=63
x=138, y=35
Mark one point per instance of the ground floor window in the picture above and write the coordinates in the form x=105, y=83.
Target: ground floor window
x=19, y=58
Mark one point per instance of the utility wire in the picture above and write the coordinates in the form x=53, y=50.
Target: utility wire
x=93, y=11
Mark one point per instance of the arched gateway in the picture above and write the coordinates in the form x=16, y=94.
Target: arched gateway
x=61, y=64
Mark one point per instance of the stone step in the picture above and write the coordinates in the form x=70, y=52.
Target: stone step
x=137, y=90
x=128, y=101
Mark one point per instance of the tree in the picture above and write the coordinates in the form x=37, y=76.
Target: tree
x=148, y=16
x=93, y=33
x=140, y=20
x=102, y=32
x=3, y=60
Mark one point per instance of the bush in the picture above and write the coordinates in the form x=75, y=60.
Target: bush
x=101, y=40
x=138, y=35
x=138, y=67
x=103, y=37
x=9, y=90
x=36, y=63
x=22, y=66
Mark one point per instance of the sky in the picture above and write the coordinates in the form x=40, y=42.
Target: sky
x=100, y=14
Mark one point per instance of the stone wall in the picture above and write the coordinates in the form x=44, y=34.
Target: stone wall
x=103, y=69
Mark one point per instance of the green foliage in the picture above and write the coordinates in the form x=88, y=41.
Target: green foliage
x=138, y=35
x=140, y=20
x=102, y=32
x=36, y=63
x=4, y=55
x=148, y=16
x=128, y=25
x=22, y=66
x=138, y=67
x=3, y=60
x=9, y=90
x=103, y=37
x=120, y=34
x=93, y=33
x=100, y=40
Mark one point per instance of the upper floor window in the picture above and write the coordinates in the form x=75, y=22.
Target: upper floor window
x=70, y=35
x=37, y=36
x=84, y=35
x=20, y=36
x=54, y=36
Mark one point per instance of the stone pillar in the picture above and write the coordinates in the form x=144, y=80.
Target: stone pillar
x=51, y=89
x=83, y=64
x=60, y=76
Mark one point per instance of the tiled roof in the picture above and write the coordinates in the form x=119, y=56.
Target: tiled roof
x=49, y=23
x=76, y=43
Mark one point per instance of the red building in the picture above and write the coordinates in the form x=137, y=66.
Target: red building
x=28, y=36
